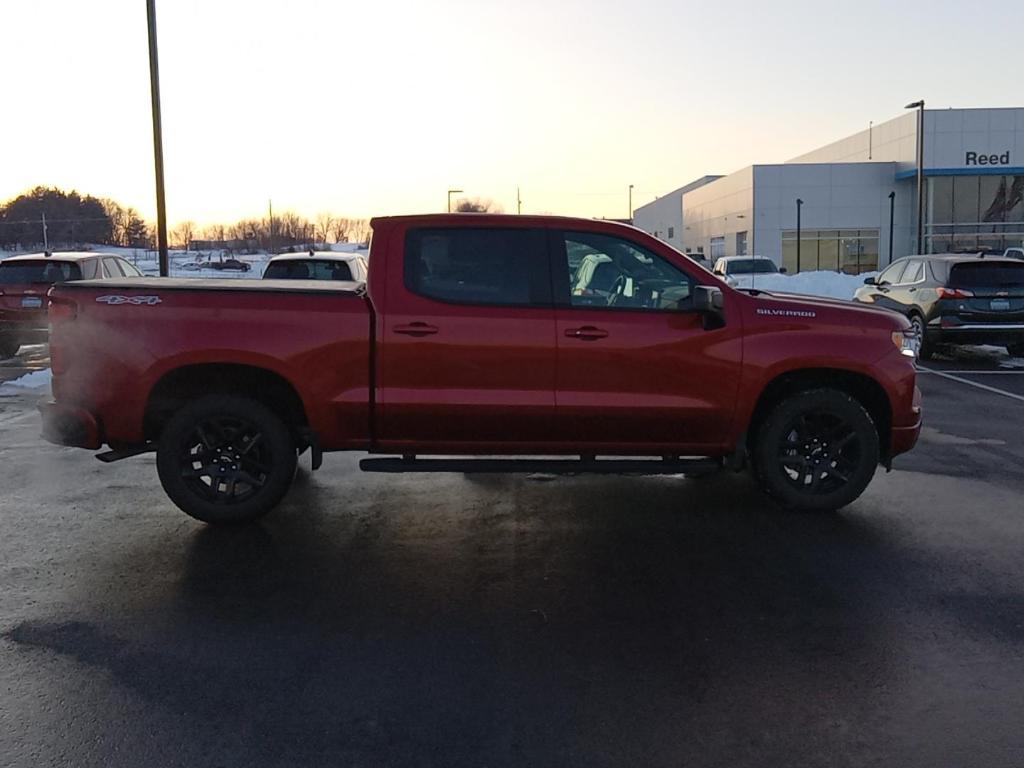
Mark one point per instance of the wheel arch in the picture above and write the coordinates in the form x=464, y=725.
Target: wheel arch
x=181, y=385
x=866, y=390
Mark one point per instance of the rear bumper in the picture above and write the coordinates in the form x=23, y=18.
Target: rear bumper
x=967, y=332
x=70, y=426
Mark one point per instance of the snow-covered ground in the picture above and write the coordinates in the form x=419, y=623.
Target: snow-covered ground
x=35, y=382
x=834, y=285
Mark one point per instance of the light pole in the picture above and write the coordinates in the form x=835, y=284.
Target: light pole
x=919, y=106
x=799, y=205
x=519, y=203
x=158, y=140
x=630, y=203
x=450, y=193
x=892, y=219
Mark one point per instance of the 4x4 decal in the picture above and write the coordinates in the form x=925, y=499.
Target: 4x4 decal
x=135, y=300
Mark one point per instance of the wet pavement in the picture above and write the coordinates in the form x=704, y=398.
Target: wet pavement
x=496, y=621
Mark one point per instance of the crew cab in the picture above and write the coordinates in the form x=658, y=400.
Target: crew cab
x=470, y=340
x=24, y=281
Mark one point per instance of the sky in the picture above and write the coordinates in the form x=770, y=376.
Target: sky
x=376, y=108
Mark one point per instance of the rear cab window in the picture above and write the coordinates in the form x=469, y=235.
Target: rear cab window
x=308, y=269
x=41, y=271
x=496, y=267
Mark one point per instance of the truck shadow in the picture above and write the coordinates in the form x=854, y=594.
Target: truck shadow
x=583, y=620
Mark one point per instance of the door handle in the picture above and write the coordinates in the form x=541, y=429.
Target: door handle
x=586, y=333
x=415, y=329
x=911, y=290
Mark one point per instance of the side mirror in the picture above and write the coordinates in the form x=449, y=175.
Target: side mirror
x=870, y=281
x=709, y=301
x=783, y=270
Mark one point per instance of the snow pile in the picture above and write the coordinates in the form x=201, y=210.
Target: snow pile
x=37, y=381
x=835, y=285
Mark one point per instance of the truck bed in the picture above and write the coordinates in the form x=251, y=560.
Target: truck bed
x=350, y=288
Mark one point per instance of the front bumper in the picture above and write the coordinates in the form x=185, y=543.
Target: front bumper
x=905, y=437
x=70, y=426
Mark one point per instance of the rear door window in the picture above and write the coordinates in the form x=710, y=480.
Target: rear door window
x=502, y=267
x=42, y=271
x=913, y=272
x=981, y=274
x=111, y=267
x=128, y=269
x=893, y=273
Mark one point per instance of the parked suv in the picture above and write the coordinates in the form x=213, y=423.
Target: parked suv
x=954, y=299
x=24, y=281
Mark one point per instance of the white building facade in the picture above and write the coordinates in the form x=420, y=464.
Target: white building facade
x=859, y=194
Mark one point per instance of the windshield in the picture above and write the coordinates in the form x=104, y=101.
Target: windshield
x=21, y=272
x=750, y=266
x=996, y=274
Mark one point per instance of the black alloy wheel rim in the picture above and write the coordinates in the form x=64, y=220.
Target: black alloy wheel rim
x=819, y=453
x=225, y=460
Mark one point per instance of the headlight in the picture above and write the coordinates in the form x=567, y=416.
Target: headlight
x=906, y=342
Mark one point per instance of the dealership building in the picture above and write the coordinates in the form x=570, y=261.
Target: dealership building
x=857, y=194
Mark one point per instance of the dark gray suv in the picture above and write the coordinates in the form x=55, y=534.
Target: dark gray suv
x=954, y=299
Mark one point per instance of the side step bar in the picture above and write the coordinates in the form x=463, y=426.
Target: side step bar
x=673, y=466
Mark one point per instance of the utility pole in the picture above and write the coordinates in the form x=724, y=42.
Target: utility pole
x=46, y=240
x=450, y=193
x=519, y=203
x=270, y=206
x=158, y=140
x=630, y=203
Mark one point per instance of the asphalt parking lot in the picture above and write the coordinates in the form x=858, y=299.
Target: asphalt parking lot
x=523, y=621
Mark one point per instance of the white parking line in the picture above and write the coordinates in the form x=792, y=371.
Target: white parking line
x=978, y=373
x=970, y=383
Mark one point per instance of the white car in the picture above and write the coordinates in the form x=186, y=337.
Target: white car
x=317, y=265
x=1014, y=253
x=743, y=271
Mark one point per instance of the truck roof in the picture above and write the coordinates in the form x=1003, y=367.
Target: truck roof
x=321, y=255
x=504, y=220
x=58, y=256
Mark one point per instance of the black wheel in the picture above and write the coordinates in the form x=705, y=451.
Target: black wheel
x=1015, y=350
x=925, y=351
x=816, y=451
x=9, y=346
x=226, y=459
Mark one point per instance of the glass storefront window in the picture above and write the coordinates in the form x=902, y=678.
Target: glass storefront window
x=1015, y=199
x=992, y=198
x=965, y=200
x=849, y=250
x=940, y=200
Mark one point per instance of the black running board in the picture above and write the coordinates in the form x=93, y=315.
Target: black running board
x=109, y=457
x=545, y=466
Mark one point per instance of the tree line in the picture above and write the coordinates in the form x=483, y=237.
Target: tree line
x=59, y=219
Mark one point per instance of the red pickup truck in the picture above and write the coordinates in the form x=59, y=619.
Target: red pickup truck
x=482, y=336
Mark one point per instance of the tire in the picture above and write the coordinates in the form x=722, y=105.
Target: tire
x=925, y=350
x=792, y=458
x=9, y=346
x=1015, y=350
x=226, y=460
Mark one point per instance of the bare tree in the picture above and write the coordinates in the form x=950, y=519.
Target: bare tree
x=184, y=234
x=324, y=227
x=477, y=205
x=215, y=232
x=359, y=230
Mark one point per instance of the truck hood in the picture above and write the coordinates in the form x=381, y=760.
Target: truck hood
x=797, y=306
